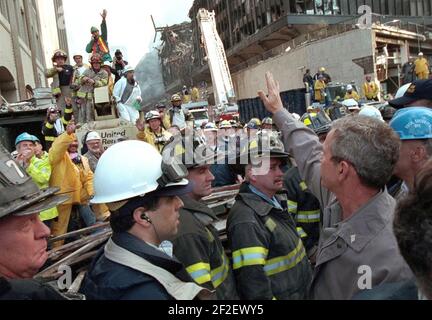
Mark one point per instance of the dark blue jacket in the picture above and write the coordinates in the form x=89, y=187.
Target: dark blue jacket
x=107, y=280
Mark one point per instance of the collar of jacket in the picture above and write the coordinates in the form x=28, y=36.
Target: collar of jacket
x=363, y=226
x=142, y=249
x=194, y=206
x=255, y=202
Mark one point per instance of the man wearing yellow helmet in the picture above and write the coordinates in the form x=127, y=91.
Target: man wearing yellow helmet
x=326, y=77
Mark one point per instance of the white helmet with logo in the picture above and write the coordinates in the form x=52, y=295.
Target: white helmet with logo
x=134, y=168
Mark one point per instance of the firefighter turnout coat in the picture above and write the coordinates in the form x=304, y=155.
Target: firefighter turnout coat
x=198, y=247
x=269, y=259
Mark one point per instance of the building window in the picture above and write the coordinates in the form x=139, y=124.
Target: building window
x=22, y=27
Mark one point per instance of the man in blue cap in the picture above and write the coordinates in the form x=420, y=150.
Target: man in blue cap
x=39, y=169
x=414, y=127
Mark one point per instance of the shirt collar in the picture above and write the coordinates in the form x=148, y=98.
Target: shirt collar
x=274, y=202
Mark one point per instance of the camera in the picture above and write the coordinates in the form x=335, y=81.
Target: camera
x=161, y=140
x=77, y=160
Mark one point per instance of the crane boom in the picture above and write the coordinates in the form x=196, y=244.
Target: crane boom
x=221, y=77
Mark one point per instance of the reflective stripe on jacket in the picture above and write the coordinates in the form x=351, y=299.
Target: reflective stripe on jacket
x=304, y=208
x=40, y=171
x=269, y=259
x=198, y=247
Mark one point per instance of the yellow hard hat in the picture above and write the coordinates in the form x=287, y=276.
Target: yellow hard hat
x=256, y=121
x=322, y=69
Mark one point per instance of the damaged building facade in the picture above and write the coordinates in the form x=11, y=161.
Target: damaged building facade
x=261, y=35
x=176, y=54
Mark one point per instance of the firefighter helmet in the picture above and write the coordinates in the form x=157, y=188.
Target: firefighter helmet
x=256, y=121
x=319, y=122
x=19, y=195
x=59, y=54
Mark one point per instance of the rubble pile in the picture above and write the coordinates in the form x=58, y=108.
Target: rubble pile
x=175, y=52
x=42, y=99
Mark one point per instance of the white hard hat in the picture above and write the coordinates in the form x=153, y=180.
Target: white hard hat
x=296, y=116
x=128, y=69
x=370, y=111
x=131, y=169
x=421, y=54
x=93, y=136
x=351, y=104
x=401, y=92
x=349, y=87
x=152, y=115
x=210, y=127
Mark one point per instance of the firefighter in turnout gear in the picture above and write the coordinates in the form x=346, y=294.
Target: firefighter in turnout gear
x=197, y=244
x=95, y=77
x=62, y=75
x=269, y=259
x=56, y=123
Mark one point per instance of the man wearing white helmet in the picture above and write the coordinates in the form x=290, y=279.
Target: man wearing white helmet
x=137, y=263
x=127, y=94
x=351, y=93
x=370, y=111
x=95, y=149
x=153, y=133
x=352, y=105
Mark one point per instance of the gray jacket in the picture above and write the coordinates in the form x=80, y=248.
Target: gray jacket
x=349, y=250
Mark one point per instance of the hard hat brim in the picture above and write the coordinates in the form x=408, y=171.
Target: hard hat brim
x=401, y=102
x=40, y=202
x=174, y=189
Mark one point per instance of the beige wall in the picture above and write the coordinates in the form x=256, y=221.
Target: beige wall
x=334, y=53
x=7, y=58
x=50, y=40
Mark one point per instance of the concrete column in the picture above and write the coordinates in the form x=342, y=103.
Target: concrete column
x=17, y=49
x=32, y=37
x=39, y=26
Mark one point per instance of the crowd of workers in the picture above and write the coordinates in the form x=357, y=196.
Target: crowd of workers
x=296, y=231
x=334, y=204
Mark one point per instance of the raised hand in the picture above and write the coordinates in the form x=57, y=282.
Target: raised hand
x=104, y=14
x=140, y=125
x=272, y=101
x=71, y=127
